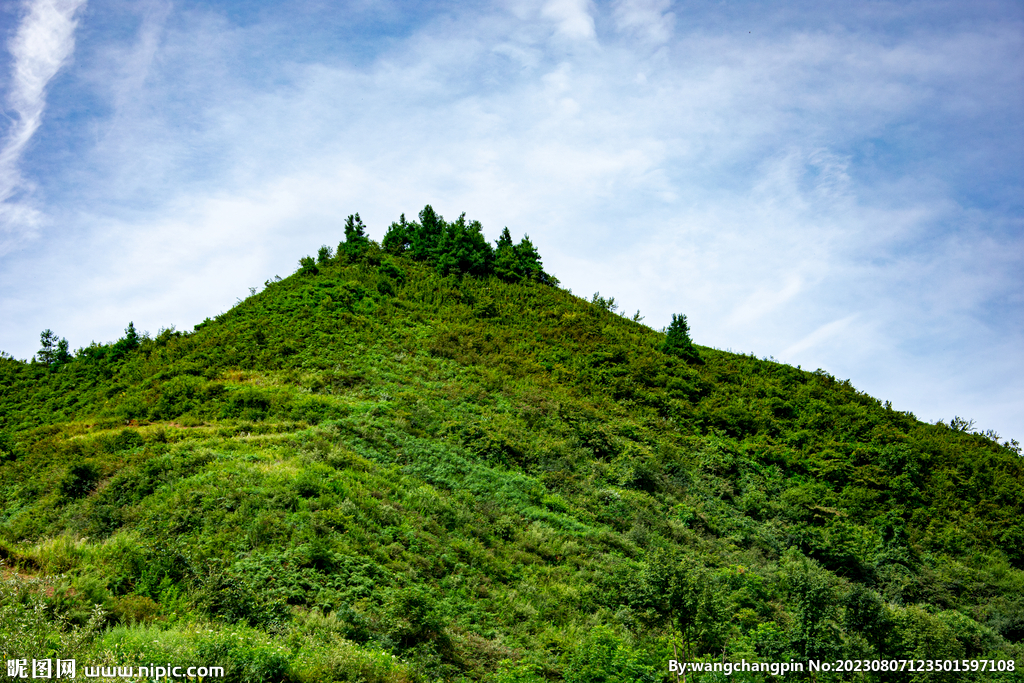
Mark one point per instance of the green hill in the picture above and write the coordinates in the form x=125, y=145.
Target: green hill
x=424, y=461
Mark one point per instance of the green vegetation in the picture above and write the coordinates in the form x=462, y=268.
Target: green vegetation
x=460, y=248
x=678, y=342
x=422, y=460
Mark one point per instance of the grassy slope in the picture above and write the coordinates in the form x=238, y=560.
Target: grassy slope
x=355, y=474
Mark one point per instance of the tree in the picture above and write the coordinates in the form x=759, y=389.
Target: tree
x=603, y=657
x=672, y=590
x=355, y=231
x=53, y=351
x=518, y=262
x=307, y=266
x=866, y=613
x=356, y=240
x=425, y=236
x=396, y=239
x=459, y=247
x=814, y=591
x=677, y=341
x=47, y=342
x=464, y=249
x=607, y=304
x=131, y=337
x=129, y=342
x=529, y=261
x=63, y=356
x=506, y=262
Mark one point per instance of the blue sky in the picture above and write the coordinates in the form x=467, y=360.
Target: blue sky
x=835, y=185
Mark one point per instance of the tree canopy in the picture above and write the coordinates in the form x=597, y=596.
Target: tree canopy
x=459, y=247
x=678, y=342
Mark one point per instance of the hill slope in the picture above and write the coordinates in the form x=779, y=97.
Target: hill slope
x=374, y=471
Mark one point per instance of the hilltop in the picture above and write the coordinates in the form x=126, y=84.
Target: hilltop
x=423, y=459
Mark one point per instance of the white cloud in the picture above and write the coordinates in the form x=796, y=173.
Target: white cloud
x=572, y=18
x=648, y=19
x=42, y=45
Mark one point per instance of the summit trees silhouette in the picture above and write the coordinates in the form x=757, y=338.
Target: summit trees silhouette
x=459, y=247
x=518, y=262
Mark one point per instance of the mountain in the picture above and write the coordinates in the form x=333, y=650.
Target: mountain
x=424, y=460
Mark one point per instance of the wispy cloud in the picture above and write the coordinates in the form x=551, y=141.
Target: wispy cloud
x=42, y=45
x=820, y=335
x=653, y=20
x=572, y=18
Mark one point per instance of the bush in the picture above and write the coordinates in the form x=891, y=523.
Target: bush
x=389, y=269
x=135, y=609
x=231, y=599
x=179, y=395
x=604, y=658
x=412, y=618
x=247, y=403
x=80, y=478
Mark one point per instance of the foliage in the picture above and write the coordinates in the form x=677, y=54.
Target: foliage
x=307, y=266
x=459, y=247
x=356, y=240
x=519, y=262
x=394, y=465
x=677, y=340
x=462, y=248
x=52, y=351
x=604, y=658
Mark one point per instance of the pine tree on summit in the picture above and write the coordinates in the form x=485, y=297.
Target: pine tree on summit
x=425, y=236
x=506, y=262
x=459, y=247
x=355, y=231
x=678, y=343
x=529, y=261
x=518, y=262
x=396, y=239
x=355, y=237
x=464, y=249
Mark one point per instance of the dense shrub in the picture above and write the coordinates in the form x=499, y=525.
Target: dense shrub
x=80, y=479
